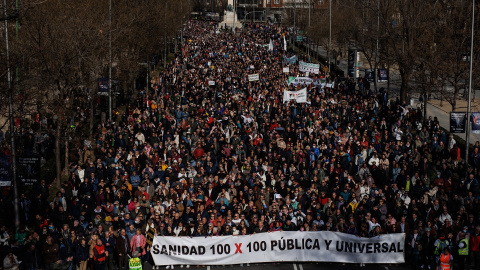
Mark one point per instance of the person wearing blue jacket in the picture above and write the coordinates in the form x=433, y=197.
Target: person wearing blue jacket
x=65, y=254
x=81, y=255
x=135, y=179
x=109, y=243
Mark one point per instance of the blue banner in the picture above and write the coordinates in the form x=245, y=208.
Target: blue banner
x=382, y=75
x=476, y=122
x=29, y=170
x=292, y=60
x=103, y=86
x=5, y=172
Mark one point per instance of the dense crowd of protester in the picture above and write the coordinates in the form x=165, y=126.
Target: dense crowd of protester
x=210, y=153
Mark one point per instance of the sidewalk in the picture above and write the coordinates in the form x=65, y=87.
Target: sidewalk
x=443, y=114
x=395, y=79
x=323, y=52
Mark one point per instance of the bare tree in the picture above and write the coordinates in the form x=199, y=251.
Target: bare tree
x=453, y=47
x=63, y=49
x=404, y=24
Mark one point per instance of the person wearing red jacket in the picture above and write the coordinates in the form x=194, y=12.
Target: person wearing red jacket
x=276, y=226
x=99, y=255
x=198, y=152
x=475, y=248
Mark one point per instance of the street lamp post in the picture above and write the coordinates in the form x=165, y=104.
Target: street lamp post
x=467, y=130
x=12, y=125
x=234, y=16
x=308, y=40
x=294, y=24
x=376, y=49
x=309, y=5
x=329, y=35
x=110, y=62
x=165, y=37
x=148, y=73
x=253, y=1
x=17, y=25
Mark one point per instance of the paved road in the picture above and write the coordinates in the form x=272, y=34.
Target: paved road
x=297, y=266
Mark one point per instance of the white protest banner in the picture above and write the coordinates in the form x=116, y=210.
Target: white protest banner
x=299, y=96
x=291, y=60
x=320, y=81
x=309, y=67
x=253, y=77
x=270, y=45
x=286, y=69
x=300, y=80
x=211, y=82
x=297, y=246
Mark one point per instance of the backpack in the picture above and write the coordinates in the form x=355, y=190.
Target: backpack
x=441, y=246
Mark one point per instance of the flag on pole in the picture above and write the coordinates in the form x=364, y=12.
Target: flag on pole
x=270, y=45
x=284, y=44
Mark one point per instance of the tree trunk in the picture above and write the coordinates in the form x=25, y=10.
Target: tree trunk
x=90, y=135
x=66, y=169
x=473, y=93
x=441, y=95
x=454, y=100
x=425, y=103
x=125, y=87
x=405, y=85
x=57, y=154
x=134, y=86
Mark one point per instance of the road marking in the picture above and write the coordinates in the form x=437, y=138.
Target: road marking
x=300, y=266
x=294, y=267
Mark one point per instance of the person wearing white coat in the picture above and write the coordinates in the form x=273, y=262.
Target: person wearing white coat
x=10, y=262
x=373, y=159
